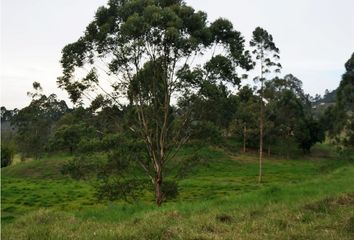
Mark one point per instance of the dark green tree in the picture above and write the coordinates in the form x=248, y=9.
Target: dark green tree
x=308, y=132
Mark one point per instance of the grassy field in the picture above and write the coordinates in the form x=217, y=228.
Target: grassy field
x=307, y=197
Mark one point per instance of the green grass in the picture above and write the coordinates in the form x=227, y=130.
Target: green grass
x=308, y=197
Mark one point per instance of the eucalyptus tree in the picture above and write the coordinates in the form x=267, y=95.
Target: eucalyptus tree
x=152, y=52
x=266, y=57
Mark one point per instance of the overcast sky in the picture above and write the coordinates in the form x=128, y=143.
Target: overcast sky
x=315, y=38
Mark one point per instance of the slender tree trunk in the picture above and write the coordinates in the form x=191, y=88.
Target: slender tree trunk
x=158, y=188
x=244, y=138
x=261, y=137
x=261, y=123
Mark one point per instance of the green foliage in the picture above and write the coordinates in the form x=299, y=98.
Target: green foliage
x=7, y=154
x=289, y=115
x=82, y=167
x=339, y=119
x=34, y=122
x=245, y=124
x=169, y=190
x=207, y=131
x=308, y=133
x=265, y=52
x=69, y=136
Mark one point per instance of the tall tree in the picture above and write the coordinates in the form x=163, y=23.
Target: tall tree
x=149, y=48
x=266, y=56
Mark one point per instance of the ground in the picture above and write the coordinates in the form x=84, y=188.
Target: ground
x=304, y=197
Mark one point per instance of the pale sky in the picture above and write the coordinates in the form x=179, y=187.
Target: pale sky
x=315, y=38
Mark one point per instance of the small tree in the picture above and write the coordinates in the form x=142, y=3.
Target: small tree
x=266, y=56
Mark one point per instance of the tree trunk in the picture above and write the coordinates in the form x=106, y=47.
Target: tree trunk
x=260, y=146
x=261, y=136
x=158, y=189
x=244, y=138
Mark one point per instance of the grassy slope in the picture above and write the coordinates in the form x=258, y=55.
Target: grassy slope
x=309, y=198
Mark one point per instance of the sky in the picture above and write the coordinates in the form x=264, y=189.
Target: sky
x=315, y=38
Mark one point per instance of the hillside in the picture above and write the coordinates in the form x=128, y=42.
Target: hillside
x=219, y=198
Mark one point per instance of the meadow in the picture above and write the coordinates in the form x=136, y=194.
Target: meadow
x=303, y=197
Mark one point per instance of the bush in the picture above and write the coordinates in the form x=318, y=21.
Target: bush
x=7, y=155
x=83, y=167
x=116, y=188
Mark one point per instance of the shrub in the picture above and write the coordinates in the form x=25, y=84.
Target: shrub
x=115, y=188
x=169, y=189
x=7, y=154
x=83, y=167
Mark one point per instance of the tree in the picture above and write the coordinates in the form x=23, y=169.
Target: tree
x=149, y=48
x=246, y=115
x=342, y=114
x=290, y=111
x=308, y=132
x=213, y=103
x=69, y=136
x=8, y=131
x=35, y=121
x=266, y=56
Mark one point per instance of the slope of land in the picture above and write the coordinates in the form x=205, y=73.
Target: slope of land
x=308, y=197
